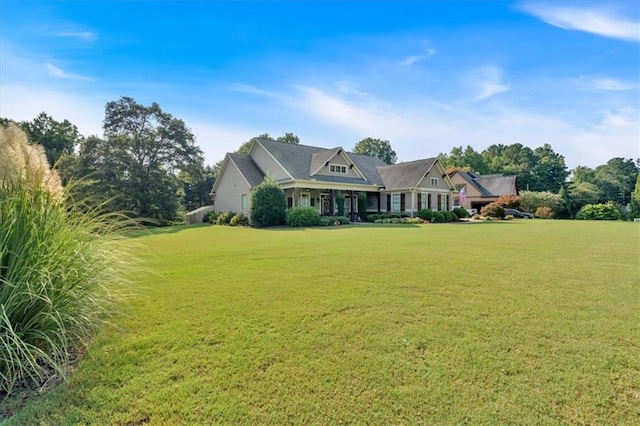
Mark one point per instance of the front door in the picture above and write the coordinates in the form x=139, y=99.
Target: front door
x=325, y=202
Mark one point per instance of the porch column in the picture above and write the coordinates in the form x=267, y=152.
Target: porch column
x=414, y=199
x=332, y=204
x=351, y=204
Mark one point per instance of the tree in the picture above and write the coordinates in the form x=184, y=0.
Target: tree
x=268, y=204
x=135, y=167
x=616, y=180
x=56, y=137
x=376, y=148
x=635, y=200
x=533, y=200
x=549, y=171
x=289, y=138
x=467, y=160
x=196, y=186
x=515, y=159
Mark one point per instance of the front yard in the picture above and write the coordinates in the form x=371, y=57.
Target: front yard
x=527, y=322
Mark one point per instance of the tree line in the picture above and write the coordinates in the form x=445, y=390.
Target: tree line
x=147, y=164
x=544, y=179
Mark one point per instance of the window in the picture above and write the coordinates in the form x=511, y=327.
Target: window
x=395, y=203
x=304, y=199
x=244, y=201
x=434, y=181
x=338, y=168
x=443, y=202
x=423, y=200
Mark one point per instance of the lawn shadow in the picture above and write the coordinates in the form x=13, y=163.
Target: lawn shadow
x=161, y=230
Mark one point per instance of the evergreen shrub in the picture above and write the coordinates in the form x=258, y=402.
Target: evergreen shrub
x=302, y=217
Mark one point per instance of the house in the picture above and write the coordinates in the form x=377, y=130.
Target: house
x=480, y=190
x=316, y=177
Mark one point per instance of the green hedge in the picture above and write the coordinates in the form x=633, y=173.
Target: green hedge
x=302, y=217
x=598, y=212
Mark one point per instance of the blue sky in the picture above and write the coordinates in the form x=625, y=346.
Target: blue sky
x=426, y=75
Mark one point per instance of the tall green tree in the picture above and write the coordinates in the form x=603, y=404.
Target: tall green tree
x=135, y=167
x=549, y=171
x=57, y=137
x=616, y=180
x=376, y=148
x=289, y=138
x=635, y=200
x=464, y=159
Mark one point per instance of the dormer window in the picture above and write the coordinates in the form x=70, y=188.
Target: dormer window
x=338, y=168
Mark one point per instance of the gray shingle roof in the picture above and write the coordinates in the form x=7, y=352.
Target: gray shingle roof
x=491, y=185
x=248, y=168
x=298, y=159
x=318, y=159
x=405, y=175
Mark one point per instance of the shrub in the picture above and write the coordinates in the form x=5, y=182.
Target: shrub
x=439, y=217
x=239, y=220
x=55, y=265
x=476, y=217
x=531, y=200
x=450, y=216
x=425, y=214
x=508, y=217
x=599, y=212
x=268, y=204
x=302, y=216
x=544, y=212
x=224, y=218
x=460, y=212
x=509, y=201
x=343, y=220
x=325, y=221
x=493, y=210
x=210, y=217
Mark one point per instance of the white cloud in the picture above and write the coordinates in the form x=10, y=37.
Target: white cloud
x=59, y=73
x=413, y=59
x=86, y=36
x=604, y=83
x=596, y=21
x=486, y=81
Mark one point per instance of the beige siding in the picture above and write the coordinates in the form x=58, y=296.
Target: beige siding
x=232, y=185
x=267, y=164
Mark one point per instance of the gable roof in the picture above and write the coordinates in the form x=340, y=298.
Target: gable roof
x=490, y=185
x=405, y=175
x=318, y=159
x=300, y=161
x=248, y=168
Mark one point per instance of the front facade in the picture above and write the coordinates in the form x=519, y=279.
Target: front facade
x=318, y=177
x=478, y=190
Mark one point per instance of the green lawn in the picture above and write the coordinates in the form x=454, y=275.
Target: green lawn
x=522, y=322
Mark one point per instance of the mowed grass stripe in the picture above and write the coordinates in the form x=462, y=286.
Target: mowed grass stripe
x=522, y=322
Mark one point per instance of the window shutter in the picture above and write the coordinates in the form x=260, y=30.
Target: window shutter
x=428, y=201
x=388, y=202
x=419, y=206
x=439, y=202
x=402, y=202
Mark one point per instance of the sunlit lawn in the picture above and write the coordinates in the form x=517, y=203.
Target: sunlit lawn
x=523, y=322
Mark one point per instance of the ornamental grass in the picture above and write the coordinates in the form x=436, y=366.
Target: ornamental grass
x=56, y=267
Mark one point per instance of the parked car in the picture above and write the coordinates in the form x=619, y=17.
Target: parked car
x=518, y=213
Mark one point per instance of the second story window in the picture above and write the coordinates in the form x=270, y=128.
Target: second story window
x=338, y=168
x=434, y=181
